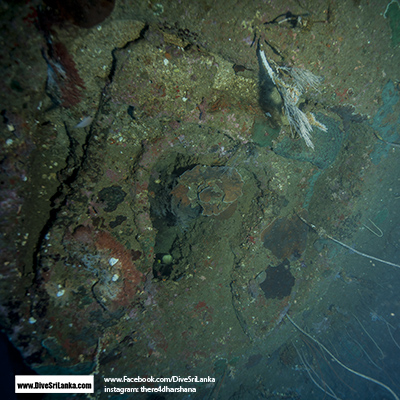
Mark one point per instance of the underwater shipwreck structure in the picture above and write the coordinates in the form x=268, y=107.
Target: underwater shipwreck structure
x=168, y=224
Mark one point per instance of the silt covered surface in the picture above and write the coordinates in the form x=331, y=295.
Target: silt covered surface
x=163, y=238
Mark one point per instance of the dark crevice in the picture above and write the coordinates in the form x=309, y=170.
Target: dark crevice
x=75, y=161
x=115, y=50
x=74, y=164
x=236, y=305
x=67, y=175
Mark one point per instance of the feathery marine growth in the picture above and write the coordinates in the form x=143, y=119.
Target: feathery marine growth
x=300, y=122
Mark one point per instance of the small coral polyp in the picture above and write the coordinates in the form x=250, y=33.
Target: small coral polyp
x=212, y=188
